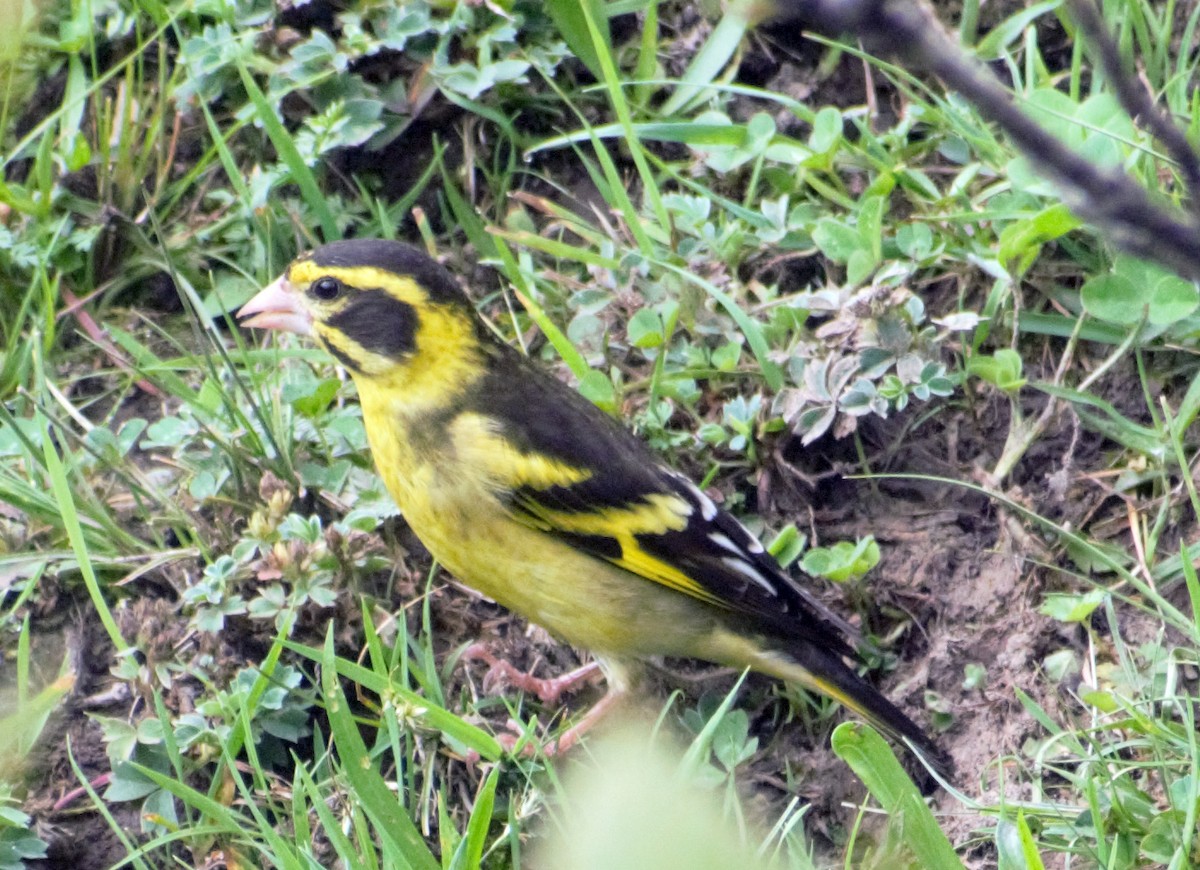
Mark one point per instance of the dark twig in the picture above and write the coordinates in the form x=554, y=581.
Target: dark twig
x=1136, y=97
x=1115, y=203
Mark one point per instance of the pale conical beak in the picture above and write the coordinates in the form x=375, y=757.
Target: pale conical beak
x=277, y=306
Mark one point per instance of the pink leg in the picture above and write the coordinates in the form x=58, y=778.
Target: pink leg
x=74, y=794
x=586, y=722
x=548, y=690
x=565, y=741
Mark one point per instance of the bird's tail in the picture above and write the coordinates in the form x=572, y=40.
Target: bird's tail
x=825, y=672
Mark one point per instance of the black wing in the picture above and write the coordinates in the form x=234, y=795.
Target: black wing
x=632, y=511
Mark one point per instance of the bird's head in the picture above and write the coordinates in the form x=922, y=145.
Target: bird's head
x=383, y=309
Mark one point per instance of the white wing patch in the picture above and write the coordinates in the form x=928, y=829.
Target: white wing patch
x=724, y=543
x=708, y=510
x=741, y=566
x=742, y=547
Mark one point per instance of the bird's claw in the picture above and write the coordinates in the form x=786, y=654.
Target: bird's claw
x=548, y=690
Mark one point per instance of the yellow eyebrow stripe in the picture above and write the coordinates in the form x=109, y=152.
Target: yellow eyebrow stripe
x=304, y=272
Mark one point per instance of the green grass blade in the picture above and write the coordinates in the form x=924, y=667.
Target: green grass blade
x=713, y=56
x=870, y=757
x=290, y=155
x=65, y=500
x=469, y=853
x=431, y=714
x=392, y=823
x=572, y=23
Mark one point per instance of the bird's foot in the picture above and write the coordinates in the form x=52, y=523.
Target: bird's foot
x=514, y=741
x=548, y=690
x=586, y=722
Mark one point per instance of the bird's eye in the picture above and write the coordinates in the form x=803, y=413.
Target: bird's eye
x=327, y=289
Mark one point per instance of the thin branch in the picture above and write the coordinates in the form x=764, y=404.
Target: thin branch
x=1110, y=199
x=1136, y=98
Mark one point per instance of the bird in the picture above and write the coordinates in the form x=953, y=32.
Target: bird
x=532, y=495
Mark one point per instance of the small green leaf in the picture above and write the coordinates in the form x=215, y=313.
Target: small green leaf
x=645, y=329
x=1171, y=300
x=387, y=813
x=787, y=545
x=128, y=784
x=1022, y=240
x=79, y=154
x=1071, y=608
x=1011, y=29
x=1164, y=837
x=1113, y=299
x=1003, y=369
x=869, y=756
x=838, y=241
x=860, y=266
x=1102, y=701
x=599, y=390
x=870, y=225
x=725, y=358
x=731, y=741
x=827, y=129
x=915, y=241
x=843, y=561
x=568, y=16
x=318, y=399
x=1060, y=665
x=974, y=676
x=1015, y=845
